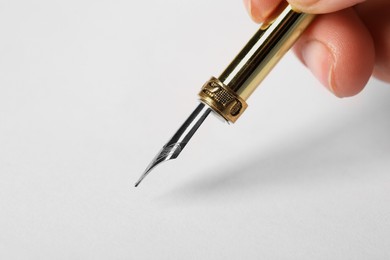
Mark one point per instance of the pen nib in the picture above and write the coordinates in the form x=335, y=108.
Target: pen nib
x=168, y=152
x=177, y=143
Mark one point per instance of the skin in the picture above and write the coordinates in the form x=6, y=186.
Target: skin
x=347, y=43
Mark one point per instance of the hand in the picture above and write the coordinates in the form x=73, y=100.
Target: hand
x=347, y=43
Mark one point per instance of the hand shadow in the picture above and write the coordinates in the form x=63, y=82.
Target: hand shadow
x=314, y=156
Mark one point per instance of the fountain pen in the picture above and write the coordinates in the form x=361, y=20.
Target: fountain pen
x=226, y=95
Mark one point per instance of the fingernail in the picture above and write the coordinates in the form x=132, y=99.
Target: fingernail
x=303, y=4
x=318, y=58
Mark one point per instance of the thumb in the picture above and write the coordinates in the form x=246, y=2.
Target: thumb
x=322, y=6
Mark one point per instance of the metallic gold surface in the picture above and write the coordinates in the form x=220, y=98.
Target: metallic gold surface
x=264, y=50
x=222, y=100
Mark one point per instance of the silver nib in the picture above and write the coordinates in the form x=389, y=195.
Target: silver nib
x=176, y=144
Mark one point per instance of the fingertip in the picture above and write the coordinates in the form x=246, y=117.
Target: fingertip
x=322, y=6
x=338, y=49
x=319, y=59
x=260, y=10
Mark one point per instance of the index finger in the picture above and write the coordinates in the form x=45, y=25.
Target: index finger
x=322, y=6
x=259, y=10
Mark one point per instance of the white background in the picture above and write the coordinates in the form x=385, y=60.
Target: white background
x=91, y=90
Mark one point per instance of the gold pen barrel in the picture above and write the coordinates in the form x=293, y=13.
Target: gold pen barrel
x=227, y=94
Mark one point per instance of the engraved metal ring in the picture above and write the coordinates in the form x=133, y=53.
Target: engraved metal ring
x=222, y=100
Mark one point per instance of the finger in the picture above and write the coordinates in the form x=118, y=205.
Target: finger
x=322, y=6
x=375, y=15
x=259, y=10
x=338, y=49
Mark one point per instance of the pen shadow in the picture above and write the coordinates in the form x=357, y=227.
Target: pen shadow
x=313, y=157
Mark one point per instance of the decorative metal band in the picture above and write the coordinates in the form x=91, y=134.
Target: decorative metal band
x=222, y=100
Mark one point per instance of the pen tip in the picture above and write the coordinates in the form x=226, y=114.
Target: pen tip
x=139, y=181
x=176, y=144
